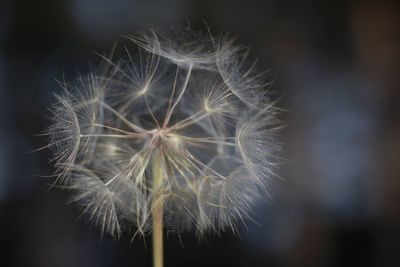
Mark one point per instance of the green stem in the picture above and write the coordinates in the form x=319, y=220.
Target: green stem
x=157, y=214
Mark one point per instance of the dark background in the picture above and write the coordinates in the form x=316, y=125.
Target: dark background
x=336, y=65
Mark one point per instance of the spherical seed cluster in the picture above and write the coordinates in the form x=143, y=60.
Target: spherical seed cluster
x=192, y=107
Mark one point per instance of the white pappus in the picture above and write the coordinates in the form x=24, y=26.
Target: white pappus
x=194, y=106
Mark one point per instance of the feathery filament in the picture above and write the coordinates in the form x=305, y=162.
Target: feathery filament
x=193, y=106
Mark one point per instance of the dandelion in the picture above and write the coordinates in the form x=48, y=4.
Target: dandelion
x=178, y=134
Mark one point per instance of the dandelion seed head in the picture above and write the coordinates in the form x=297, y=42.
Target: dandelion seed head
x=194, y=105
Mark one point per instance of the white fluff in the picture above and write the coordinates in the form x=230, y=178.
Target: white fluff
x=194, y=100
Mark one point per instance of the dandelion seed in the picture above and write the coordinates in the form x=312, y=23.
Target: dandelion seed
x=180, y=132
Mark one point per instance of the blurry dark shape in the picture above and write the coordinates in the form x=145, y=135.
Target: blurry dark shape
x=376, y=34
x=4, y=148
x=280, y=224
x=107, y=20
x=334, y=164
x=376, y=29
x=6, y=18
x=339, y=155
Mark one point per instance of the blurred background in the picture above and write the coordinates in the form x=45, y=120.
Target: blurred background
x=336, y=65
